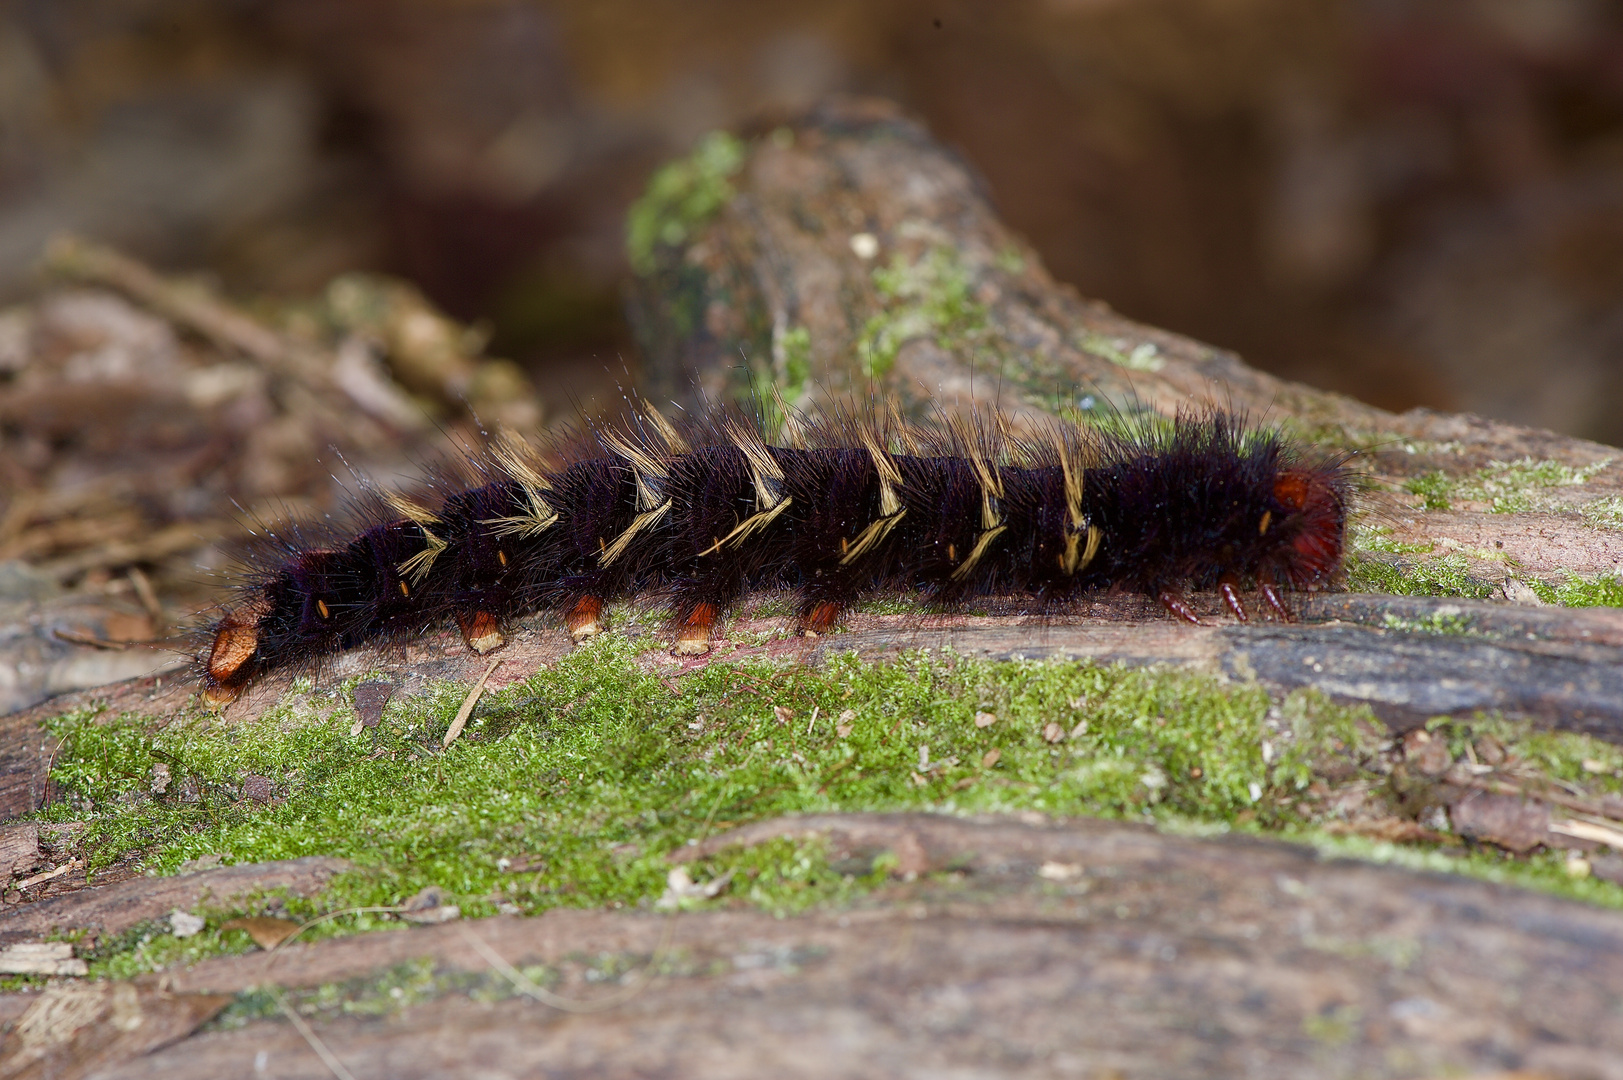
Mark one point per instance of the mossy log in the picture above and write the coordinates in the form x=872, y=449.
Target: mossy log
x=848, y=251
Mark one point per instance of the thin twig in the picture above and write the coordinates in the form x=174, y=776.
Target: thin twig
x=331, y=915
x=152, y=548
x=1556, y=798
x=221, y=322
x=76, y=637
x=328, y=1058
x=468, y=703
x=704, y=829
x=209, y=316
x=149, y=598
x=530, y=988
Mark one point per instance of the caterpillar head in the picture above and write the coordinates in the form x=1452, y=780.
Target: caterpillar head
x=231, y=658
x=1315, y=503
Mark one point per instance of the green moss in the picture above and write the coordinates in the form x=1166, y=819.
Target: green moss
x=928, y=298
x=419, y=981
x=1334, y=1025
x=1509, y=487
x=1544, y=871
x=682, y=196
x=1435, y=623
x=1562, y=756
x=401, y=986
x=1434, y=489
x=152, y=947
x=572, y=787
x=1010, y=261
x=1604, y=513
x=786, y=377
x=1144, y=356
x=1378, y=539
x=1512, y=486
x=596, y=769
x=1602, y=590
x=1328, y=437
x=1445, y=576
x=1449, y=575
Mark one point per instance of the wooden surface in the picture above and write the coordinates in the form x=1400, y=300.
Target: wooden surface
x=1071, y=948
x=112, y=909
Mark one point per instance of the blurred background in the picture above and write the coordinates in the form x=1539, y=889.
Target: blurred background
x=1415, y=202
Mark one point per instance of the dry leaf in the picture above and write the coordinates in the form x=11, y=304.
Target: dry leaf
x=428, y=907
x=76, y=1029
x=1429, y=756
x=1501, y=819
x=1490, y=751
x=783, y=713
x=1053, y=733
x=680, y=886
x=985, y=719
x=370, y=698
x=991, y=758
x=266, y=930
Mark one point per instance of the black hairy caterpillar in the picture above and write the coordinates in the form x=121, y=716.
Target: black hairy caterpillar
x=844, y=506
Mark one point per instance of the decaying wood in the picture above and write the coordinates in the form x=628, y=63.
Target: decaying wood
x=114, y=908
x=19, y=848
x=147, y=424
x=309, y=367
x=74, y=1029
x=1574, y=687
x=1069, y=948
